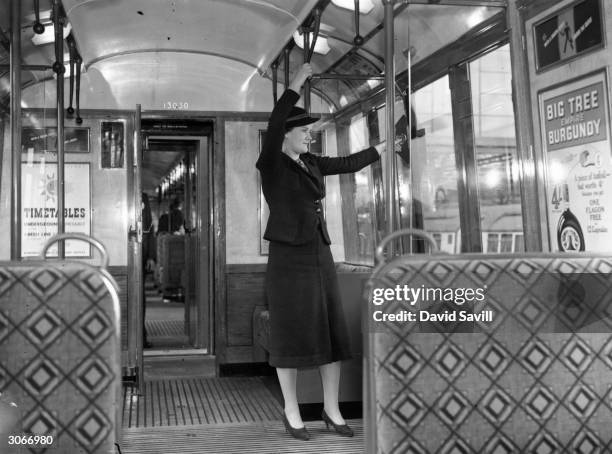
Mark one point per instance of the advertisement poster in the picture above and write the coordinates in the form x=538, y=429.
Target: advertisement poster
x=39, y=207
x=578, y=157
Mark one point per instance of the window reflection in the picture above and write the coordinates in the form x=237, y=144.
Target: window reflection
x=494, y=138
x=433, y=170
x=362, y=251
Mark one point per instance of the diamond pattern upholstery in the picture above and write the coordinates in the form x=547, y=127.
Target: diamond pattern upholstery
x=59, y=344
x=536, y=379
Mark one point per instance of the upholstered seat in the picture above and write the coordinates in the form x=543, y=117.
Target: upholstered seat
x=59, y=344
x=535, y=378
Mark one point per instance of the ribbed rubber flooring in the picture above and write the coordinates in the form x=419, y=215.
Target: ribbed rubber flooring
x=189, y=401
x=165, y=328
x=250, y=438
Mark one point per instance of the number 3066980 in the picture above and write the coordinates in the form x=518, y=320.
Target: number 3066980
x=30, y=440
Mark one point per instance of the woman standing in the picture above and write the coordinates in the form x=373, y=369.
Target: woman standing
x=307, y=326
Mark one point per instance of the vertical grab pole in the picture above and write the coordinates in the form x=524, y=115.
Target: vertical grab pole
x=59, y=69
x=390, y=133
x=370, y=397
x=16, y=129
x=409, y=125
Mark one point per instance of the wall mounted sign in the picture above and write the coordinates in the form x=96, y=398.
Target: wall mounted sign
x=576, y=142
x=176, y=126
x=112, y=148
x=39, y=207
x=568, y=33
x=43, y=140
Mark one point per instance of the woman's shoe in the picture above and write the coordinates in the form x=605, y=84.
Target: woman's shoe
x=300, y=434
x=341, y=429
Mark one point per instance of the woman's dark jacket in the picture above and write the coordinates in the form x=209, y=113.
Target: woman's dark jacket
x=293, y=194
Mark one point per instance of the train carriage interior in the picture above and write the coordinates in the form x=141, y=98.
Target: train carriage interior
x=142, y=120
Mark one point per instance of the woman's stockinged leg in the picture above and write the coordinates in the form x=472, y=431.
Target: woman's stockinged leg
x=287, y=377
x=330, y=378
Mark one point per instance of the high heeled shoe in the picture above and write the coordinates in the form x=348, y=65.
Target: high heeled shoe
x=341, y=429
x=300, y=434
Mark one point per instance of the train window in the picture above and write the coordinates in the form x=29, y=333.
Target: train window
x=498, y=242
x=433, y=171
x=505, y=244
x=359, y=248
x=492, y=240
x=496, y=156
x=519, y=243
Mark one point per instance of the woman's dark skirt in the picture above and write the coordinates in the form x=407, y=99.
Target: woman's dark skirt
x=307, y=324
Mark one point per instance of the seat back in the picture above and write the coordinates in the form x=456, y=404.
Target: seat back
x=60, y=351
x=171, y=261
x=533, y=378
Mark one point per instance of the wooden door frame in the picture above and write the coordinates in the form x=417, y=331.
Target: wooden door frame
x=204, y=271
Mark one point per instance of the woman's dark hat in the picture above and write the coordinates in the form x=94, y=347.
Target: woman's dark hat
x=299, y=117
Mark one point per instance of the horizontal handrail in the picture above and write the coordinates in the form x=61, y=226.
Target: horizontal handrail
x=380, y=249
x=76, y=236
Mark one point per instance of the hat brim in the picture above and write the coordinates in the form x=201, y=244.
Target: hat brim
x=302, y=121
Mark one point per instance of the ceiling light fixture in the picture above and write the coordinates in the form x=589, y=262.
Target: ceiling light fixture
x=365, y=6
x=321, y=46
x=48, y=36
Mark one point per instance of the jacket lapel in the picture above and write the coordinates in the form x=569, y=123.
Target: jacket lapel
x=314, y=174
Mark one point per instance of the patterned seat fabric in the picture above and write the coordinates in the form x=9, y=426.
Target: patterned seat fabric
x=534, y=379
x=60, y=354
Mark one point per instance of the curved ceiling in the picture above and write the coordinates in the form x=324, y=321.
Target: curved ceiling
x=249, y=31
x=208, y=48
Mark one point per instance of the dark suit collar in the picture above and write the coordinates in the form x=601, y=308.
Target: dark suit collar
x=305, y=161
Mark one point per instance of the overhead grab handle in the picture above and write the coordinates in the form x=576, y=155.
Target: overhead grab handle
x=308, y=51
x=286, y=54
x=78, y=61
x=315, y=34
x=275, y=80
x=58, y=21
x=72, y=52
x=39, y=28
x=306, y=36
x=358, y=40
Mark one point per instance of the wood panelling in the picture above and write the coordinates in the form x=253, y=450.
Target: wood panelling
x=245, y=290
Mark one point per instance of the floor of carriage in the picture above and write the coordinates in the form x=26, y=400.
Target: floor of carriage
x=218, y=415
x=249, y=438
x=184, y=407
x=164, y=319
